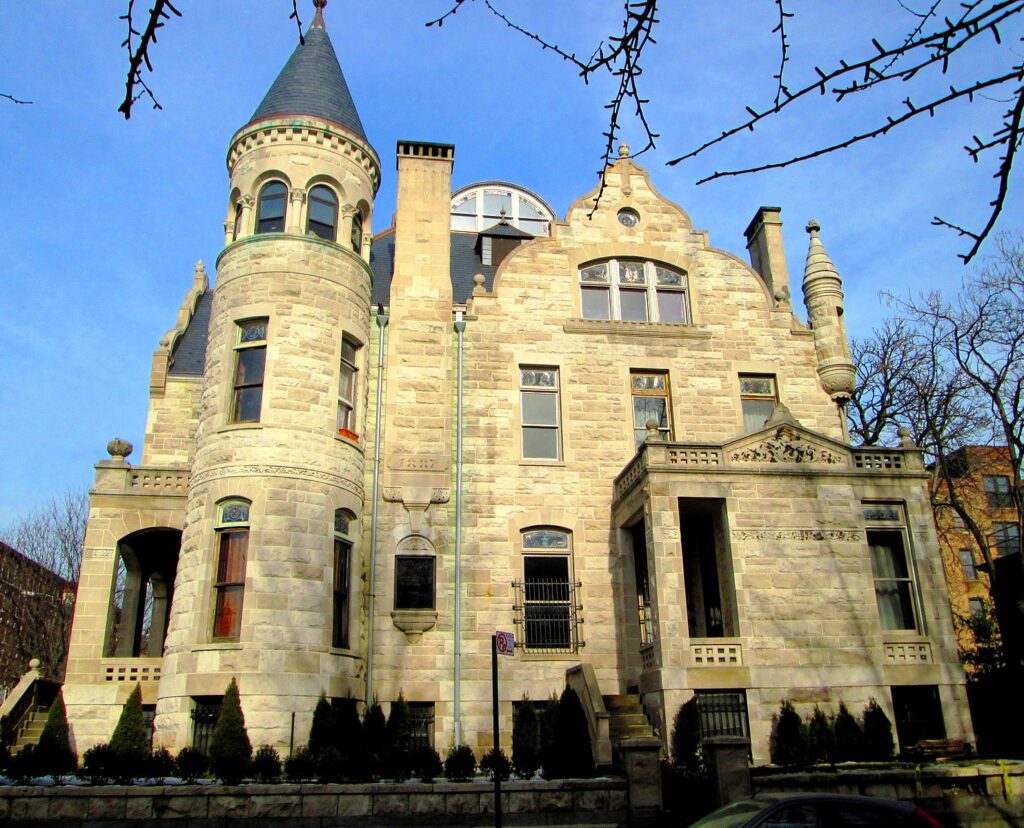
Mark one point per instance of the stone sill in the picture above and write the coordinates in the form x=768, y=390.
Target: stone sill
x=617, y=327
x=239, y=427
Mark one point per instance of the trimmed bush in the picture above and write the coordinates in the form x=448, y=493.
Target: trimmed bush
x=23, y=765
x=230, y=748
x=374, y=743
x=821, y=737
x=300, y=766
x=426, y=764
x=548, y=719
x=571, y=756
x=348, y=728
x=265, y=765
x=496, y=764
x=159, y=764
x=130, y=743
x=849, y=737
x=685, y=742
x=99, y=764
x=322, y=730
x=190, y=764
x=398, y=761
x=789, y=737
x=878, y=741
x=330, y=765
x=460, y=764
x=53, y=755
x=526, y=740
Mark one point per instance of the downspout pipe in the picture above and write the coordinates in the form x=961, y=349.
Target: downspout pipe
x=382, y=323
x=460, y=327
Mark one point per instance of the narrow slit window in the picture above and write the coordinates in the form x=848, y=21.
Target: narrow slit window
x=250, y=365
x=229, y=579
x=348, y=385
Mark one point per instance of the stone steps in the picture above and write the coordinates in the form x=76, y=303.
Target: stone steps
x=626, y=718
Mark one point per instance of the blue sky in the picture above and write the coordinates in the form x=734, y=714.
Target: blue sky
x=104, y=219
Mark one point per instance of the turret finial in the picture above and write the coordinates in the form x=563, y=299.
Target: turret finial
x=318, y=19
x=623, y=150
x=813, y=227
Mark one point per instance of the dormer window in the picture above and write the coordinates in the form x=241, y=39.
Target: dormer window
x=271, y=208
x=634, y=291
x=322, y=219
x=480, y=206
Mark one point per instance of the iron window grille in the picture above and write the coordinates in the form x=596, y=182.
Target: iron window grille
x=723, y=713
x=204, y=719
x=421, y=726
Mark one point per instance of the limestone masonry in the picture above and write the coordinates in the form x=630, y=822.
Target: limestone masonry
x=366, y=452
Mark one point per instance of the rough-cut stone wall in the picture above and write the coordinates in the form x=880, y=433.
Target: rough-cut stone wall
x=171, y=423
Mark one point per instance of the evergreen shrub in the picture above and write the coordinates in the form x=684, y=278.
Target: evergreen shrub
x=23, y=765
x=548, y=719
x=878, y=742
x=190, y=764
x=427, y=764
x=53, y=755
x=159, y=764
x=496, y=764
x=849, y=737
x=374, y=743
x=330, y=765
x=788, y=745
x=230, y=748
x=460, y=764
x=322, y=729
x=130, y=743
x=685, y=741
x=266, y=764
x=99, y=764
x=397, y=760
x=571, y=756
x=526, y=740
x=300, y=766
x=821, y=737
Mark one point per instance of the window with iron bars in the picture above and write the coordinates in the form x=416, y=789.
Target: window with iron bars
x=421, y=725
x=205, y=713
x=547, y=609
x=723, y=713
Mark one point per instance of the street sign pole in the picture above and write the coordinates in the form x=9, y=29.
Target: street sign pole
x=497, y=741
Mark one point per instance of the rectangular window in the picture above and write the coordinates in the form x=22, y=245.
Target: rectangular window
x=894, y=584
x=918, y=714
x=645, y=609
x=342, y=562
x=347, y=387
x=976, y=607
x=997, y=491
x=967, y=565
x=546, y=598
x=723, y=713
x=205, y=712
x=633, y=291
x=414, y=582
x=650, y=402
x=422, y=735
x=758, y=396
x=250, y=362
x=538, y=397
x=230, y=584
x=1005, y=538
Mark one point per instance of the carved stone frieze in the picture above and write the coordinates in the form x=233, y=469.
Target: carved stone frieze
x=798, y=534
x=276, y=471
x=786, y=446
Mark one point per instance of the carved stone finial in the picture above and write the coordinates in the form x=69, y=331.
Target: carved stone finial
x=652, y=429
x=119, y=449
x=623, y=150
x=478, y=285
x=33, y=663
x=906, y=441
x=813, y=227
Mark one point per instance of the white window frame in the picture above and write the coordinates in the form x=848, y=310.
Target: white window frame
x=891, y=517
x=534, y=225
x=547, y=390
x=347, y=407
x=635, y=392
x=614, y=285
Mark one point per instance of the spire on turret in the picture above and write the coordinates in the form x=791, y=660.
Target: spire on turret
x=823, y=296
x=312, y=84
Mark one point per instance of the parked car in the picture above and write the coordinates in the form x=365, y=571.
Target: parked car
x=818, y=811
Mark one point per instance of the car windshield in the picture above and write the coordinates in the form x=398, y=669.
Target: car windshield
x=734, y=814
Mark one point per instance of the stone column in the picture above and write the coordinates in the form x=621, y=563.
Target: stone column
x=729, y=766
x=296, y=198
x=640, y=759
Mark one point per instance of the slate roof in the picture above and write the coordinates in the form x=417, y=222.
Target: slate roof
x=506, y=230
x=465, y=264
x=312, y=84
x=189, y=356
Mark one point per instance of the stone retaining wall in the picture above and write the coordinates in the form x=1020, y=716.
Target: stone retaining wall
x=601, y=802
x=980, y=795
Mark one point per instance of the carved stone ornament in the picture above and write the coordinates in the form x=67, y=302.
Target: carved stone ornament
x=119, y=449
x=414, y=622
x=798, y=534
x=786, y=446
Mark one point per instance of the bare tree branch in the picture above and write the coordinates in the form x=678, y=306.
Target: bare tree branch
x=298, y=21
x=12, y=99
x=139, y=54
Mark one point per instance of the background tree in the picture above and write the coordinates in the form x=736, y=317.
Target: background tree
x=39, y=610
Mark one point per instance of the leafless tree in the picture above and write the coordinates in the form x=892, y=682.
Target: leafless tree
x=37, y=610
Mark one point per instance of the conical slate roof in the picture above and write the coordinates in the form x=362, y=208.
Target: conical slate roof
x=311, y=84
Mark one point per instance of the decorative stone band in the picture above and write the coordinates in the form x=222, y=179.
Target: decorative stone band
x=398, y=494
x=787, y=447
x=296, y=472
x=798, y=534
x=98, y=554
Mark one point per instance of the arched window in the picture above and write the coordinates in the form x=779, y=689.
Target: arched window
x=271, y=208
x=634, y=291
x=357, y=232
x=229, y=579
x=322, y=219
x=344, y=529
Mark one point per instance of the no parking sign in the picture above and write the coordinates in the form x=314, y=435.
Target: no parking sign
x=504, y=643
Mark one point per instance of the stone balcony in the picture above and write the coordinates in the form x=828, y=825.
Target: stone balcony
x=115, y=477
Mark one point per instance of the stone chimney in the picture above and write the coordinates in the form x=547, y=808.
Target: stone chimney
x=767, y=255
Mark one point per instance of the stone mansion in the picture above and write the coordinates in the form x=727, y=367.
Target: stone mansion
x=367, y=450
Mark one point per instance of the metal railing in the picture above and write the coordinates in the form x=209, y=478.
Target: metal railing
x=723, y=713
x=547, y=615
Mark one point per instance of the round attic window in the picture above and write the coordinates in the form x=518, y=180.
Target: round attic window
x=628, y=217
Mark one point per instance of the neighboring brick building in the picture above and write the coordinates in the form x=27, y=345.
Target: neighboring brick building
x=984, y=480
x=35, y=617
x=366, y=453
